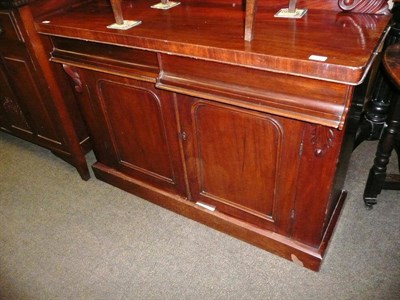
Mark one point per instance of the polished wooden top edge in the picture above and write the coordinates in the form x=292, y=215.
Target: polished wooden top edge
x=256, y=54
x=358, y=74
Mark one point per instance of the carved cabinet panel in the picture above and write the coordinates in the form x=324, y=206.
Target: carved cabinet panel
x=12, y=117
x=135, y=130
x=241, y=161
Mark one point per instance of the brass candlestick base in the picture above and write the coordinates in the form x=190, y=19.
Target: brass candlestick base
x=165, y=5
x=125, y=26
x=298, y=13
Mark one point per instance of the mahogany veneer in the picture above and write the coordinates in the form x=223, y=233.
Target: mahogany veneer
x=182, y=110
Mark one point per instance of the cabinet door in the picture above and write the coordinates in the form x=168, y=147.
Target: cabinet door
x=135, y=130
x=242, y=162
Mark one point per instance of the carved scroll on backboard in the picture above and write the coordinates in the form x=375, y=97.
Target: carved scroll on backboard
x=365, y=6
x=356, y=6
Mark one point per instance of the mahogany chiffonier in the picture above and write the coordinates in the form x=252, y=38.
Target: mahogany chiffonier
x=252, y=138
x=36, y=99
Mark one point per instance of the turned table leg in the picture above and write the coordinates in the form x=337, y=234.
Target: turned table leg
x=377, y=108
x=389, y=141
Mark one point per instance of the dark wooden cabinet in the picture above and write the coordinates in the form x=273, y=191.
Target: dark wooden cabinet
x=250, y=138
x=36, y=99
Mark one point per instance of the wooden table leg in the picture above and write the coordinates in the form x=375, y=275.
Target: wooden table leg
x=377, y=175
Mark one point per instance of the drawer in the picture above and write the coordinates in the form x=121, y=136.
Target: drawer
x=8, y=27
x=122, y=61
x=301, y=98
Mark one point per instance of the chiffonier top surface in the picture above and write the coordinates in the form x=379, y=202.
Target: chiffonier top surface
x=325, y=44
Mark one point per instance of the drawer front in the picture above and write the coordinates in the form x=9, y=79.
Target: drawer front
x=305, y=99
x=121, y=61
x=8, y=28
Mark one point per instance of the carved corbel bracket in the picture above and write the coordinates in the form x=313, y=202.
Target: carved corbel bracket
x=74, y=76
x=322, y=139
x=365, y=6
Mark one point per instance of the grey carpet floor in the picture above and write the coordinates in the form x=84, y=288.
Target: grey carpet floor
x=63, y=238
